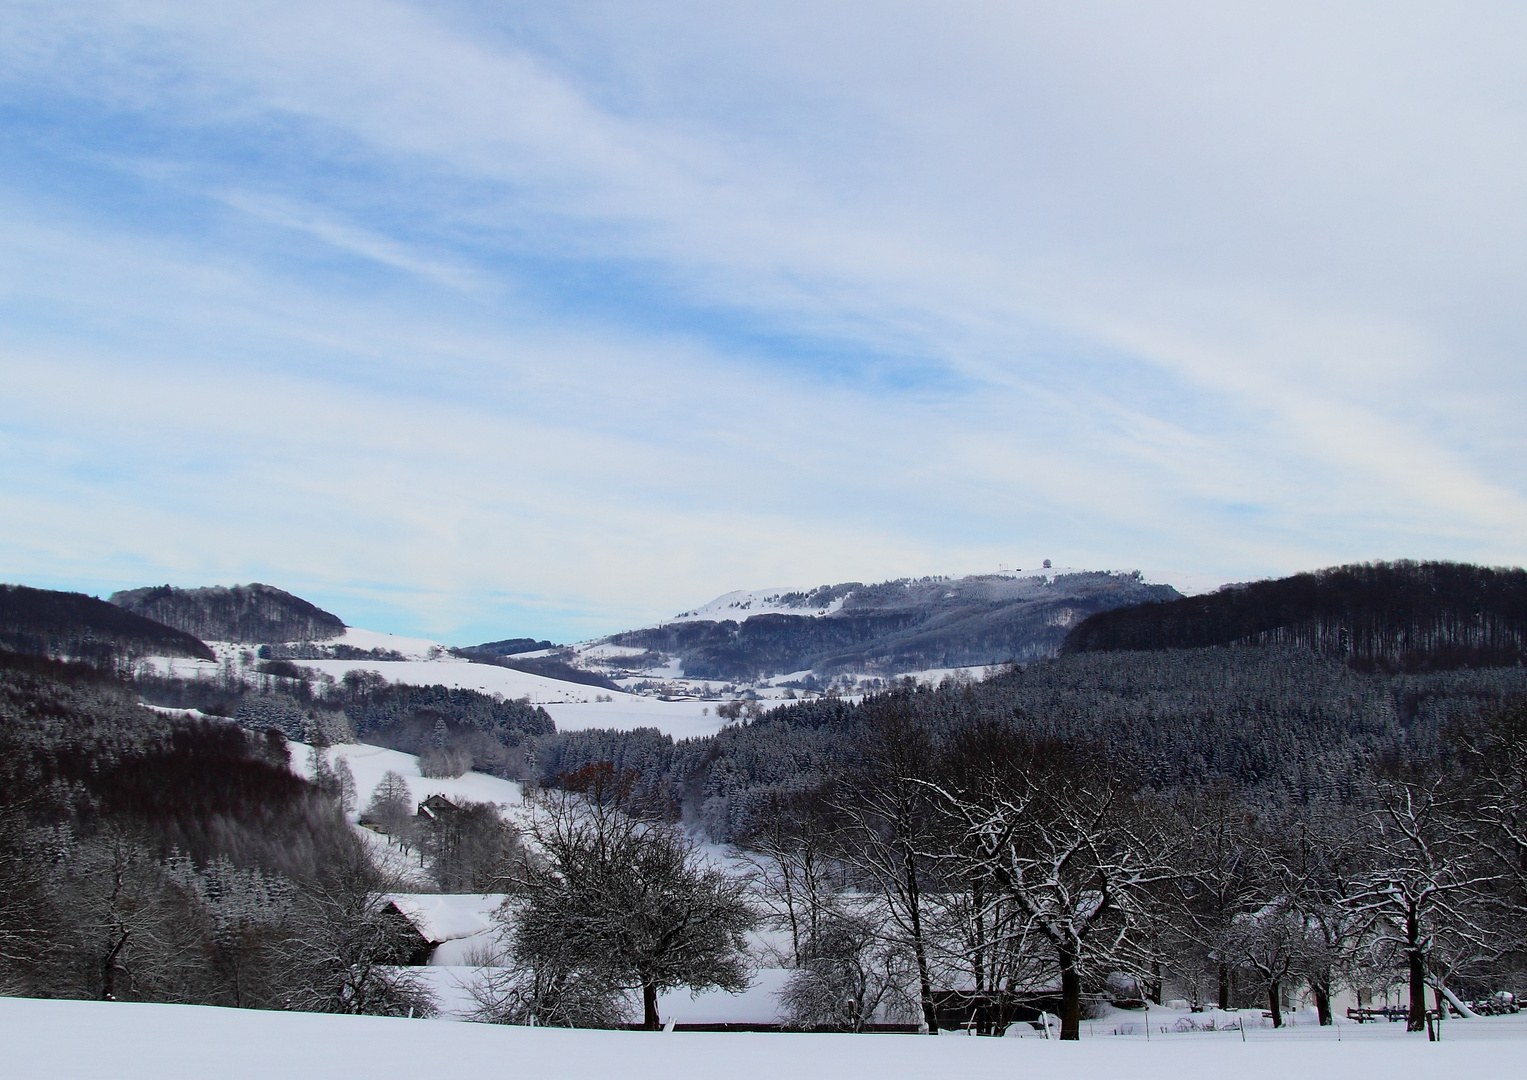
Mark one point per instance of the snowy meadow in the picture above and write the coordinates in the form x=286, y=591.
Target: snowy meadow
x=69, y=1039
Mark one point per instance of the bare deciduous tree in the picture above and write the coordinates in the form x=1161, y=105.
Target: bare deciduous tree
x=1057, y=829
x=1496, y=756
x=1320, y=861
x=888, y=818
x=849, y=973
x=1270, y=941
x=1423, y=891
x=789, y=843
x=392, y=804
x=627, y=901
x=546, y=990
x=345, y=949
x=1219, y=862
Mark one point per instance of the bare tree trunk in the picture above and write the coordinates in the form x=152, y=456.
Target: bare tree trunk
x=1459, y=1005
x=978, y=962
x=1070, y=999
x=650, y=1019
x=1224, y=987
x=1276, y=1005
x=1322, y=1001
x=1416, y=1021
x=919, y=947
x=795, y=929
x=109, y=969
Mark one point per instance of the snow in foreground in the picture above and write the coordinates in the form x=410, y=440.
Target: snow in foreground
x=69, y=1039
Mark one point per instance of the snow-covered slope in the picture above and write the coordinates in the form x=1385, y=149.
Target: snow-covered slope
x=369, y=763
x=683, y=719
x=745, y=603
x=455, y=673
x=425, y=663
x=410, y=647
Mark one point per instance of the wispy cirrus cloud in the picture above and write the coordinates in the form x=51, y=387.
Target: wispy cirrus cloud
x=486, y=320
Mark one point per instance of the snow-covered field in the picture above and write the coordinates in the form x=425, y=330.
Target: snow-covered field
x=65, y=1040
x=572, y=706
x=759, y=1004
x=369, y=763
x=681, y=719
x=463, y=674
x=425, y=663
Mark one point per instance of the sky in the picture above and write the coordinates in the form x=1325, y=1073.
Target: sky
x=481, y=320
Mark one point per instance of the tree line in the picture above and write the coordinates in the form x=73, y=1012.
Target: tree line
x=1010, y=865
x=1214, y=824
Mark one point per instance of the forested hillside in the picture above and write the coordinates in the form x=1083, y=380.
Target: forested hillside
x=80, y=751
x=1280, y=721
x=1214, y=823
x=43, y=622
x=248, y=613
x=1396, y=616
x=451, y=730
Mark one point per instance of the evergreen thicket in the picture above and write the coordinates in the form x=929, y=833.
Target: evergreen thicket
x=474, y=730
x=551, y=667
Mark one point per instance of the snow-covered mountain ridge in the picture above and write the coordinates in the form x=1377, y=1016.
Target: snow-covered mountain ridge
x=829, y=599
x=911, y=624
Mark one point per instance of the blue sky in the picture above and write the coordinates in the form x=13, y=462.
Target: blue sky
x=481, y=320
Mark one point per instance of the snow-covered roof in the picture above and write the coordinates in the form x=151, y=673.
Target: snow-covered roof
x=447, y=916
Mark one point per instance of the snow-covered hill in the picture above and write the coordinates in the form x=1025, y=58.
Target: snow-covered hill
x=883, y=630
x=572, y=706
x=828, y=599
